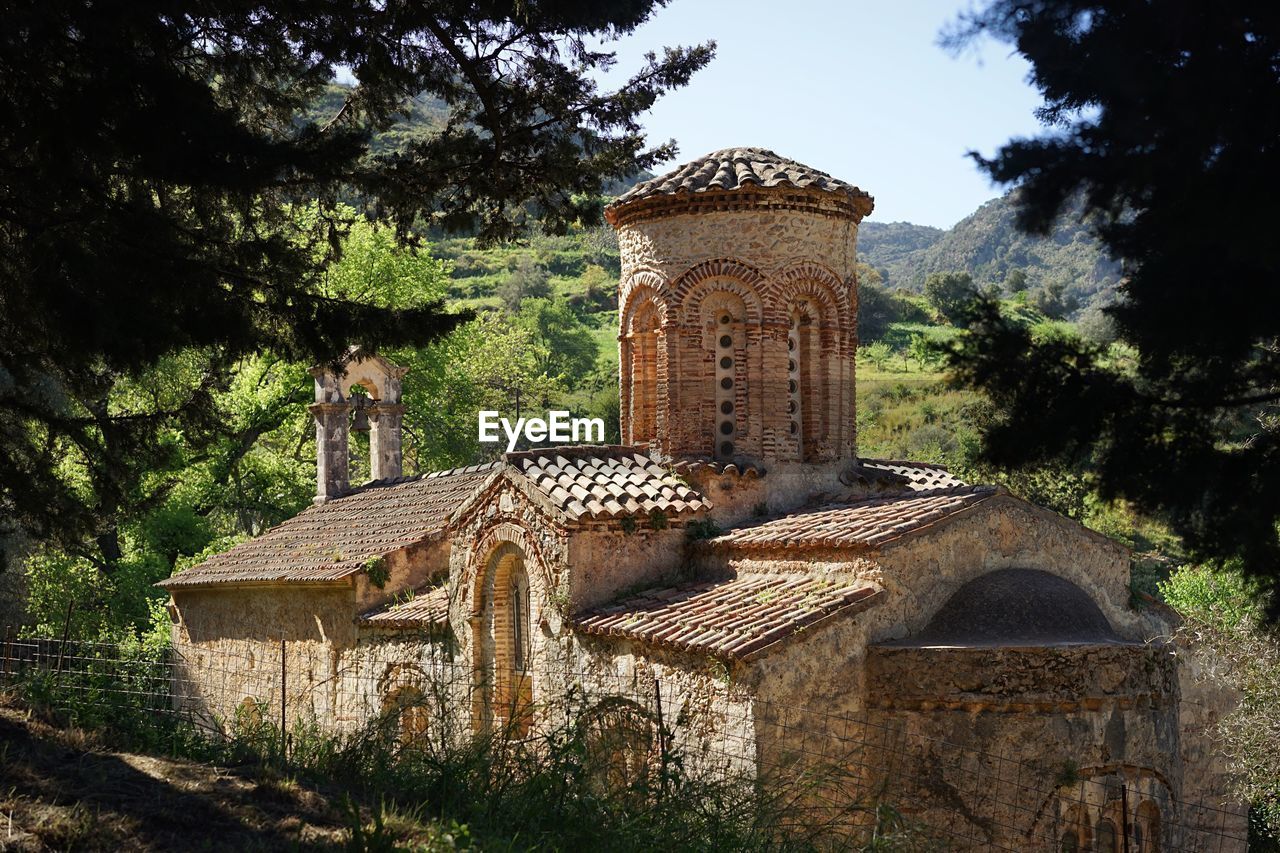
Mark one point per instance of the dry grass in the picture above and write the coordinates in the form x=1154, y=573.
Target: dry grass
x=60, y=791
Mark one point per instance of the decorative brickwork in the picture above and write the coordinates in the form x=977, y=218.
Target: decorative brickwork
x=738, y=309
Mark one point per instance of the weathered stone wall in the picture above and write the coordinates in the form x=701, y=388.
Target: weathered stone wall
x=408, y=569
x=922, y=571
x=230, y=642
x=738, y=330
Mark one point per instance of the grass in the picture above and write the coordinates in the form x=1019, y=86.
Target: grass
x=67, y=788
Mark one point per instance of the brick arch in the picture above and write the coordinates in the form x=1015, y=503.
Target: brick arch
x=501, y=621
x=642, y=360
x=722, y=268
x=820, y=361
x=637, y=298
x=487, y=542
x=644, y=278
x=815, y=281
x=691, y=300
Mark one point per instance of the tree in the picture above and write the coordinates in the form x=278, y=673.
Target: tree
x=951, y=294
x=1053, y=301
x=527, y=280
x=1016, y=281
x=155, y=164
x=1165, y=119
x=568, y=349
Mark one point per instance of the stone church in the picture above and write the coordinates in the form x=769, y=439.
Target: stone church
x=734, y=562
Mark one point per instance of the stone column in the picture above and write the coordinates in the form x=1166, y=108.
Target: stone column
x=332, y=471
x=385, y=420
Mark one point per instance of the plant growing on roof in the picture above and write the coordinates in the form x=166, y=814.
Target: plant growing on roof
x=702, y=528
x=628, y=524
x=657, y=519
x=377, y=571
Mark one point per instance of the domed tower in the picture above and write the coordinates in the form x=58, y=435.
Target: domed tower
x=738, y=310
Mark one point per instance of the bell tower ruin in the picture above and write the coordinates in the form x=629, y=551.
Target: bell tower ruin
x=379, y=410
x=738, y=310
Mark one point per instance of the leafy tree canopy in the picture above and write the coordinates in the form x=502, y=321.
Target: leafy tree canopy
x=155, y=161
x=1165, y=118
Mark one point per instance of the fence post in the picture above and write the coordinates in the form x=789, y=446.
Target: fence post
x=7, y=668
x=66, y=631
x=662, y=737
x=284, y=752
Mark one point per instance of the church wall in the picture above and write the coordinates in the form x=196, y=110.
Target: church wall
x=767, y=239
x=229, y=643
x=752, y=267
x=407, y=569
x=922, y=571
x=707, y=709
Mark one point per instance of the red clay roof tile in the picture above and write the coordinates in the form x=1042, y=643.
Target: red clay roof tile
x=741, y=617
x=428, y=608
x=335, y=539
x=866, y=523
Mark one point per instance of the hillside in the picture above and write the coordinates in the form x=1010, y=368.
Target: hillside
x=988, y=246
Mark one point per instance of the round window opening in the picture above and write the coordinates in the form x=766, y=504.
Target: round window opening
x=726, y=428
x=726, y=448
x=726, y=362
x=726, y=383
x=726, y=341
x=726, y=408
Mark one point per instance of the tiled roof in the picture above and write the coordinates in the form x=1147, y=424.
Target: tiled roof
x=335, y=539
x=429, y=608
x=737, y=618
x=737, y=168
x=605, y=481
x=861, y=524
x=919, y=476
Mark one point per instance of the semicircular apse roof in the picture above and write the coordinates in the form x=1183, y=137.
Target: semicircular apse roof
x=1016, y=607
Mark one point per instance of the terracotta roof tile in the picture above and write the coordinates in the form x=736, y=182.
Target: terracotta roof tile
x=734, y=169
x=918, y=476
x=428, y=608
x=589, y=481
x=334, y=540
x=737, y=618
x=865, y=523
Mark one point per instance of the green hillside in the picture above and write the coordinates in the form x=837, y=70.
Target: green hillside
x=987, y=245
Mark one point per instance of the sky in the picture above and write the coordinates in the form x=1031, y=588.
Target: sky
x=858, y=88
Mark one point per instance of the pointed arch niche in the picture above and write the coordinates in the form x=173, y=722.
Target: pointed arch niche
x=504, y=641
x=642, y=366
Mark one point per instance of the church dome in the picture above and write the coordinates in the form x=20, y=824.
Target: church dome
x=733, y=170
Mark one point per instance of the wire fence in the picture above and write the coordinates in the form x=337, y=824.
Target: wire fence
x=637, y=731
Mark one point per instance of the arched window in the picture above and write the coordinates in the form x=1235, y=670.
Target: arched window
x=642, y=374
x=726, y=385
x=1108, y=838
x=1146, y=829
x=405, y=714
x=512, y=649
x=725, y=326
x=809, y=383
x=620, y=746
x=1076, y=832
